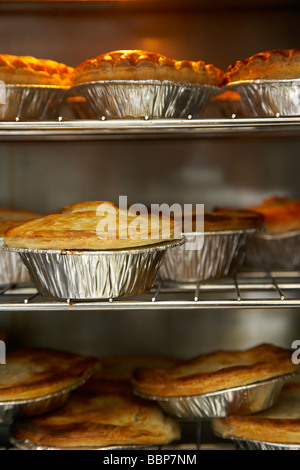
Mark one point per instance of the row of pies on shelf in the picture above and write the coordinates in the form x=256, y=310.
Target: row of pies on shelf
x=60, y=400
x=136, y=84
x=89, y=250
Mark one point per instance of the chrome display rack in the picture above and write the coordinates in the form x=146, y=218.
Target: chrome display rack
x=245, y=290
x=62, y=129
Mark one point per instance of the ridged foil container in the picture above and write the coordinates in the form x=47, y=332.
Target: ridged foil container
x=12, y=409
x=95, y=274
x=32, y=102
x=270, y=251
x=242, y=400
x=25, y=444
x=12, y=268
x=259, y=445
x=145, y=99
x=265, y=98
x=222, y=254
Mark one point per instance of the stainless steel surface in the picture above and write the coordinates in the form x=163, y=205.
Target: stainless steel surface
x=148, y=99
x=12, y=268
x=265, y=98
x=141, y=128
x=247, y=290
x=274, y=251
x=12, y=409
x=30, y=102
x=242, y=400
x=82, y=275
x=215, y=255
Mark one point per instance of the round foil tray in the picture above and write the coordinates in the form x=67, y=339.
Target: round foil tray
x=274, y=250
x=145, y=99
x=12, y=409
x=216, y=255
x=265, y=98
x=32, y=102
x=25, y=444
x=106, y=274
x=12, y=268
x=242, y=400
x=260, y=445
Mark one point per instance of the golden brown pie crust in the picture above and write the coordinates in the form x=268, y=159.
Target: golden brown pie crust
x=215, y=371
x=281, y=213
x=276, y=64
x=94, y=417
x=232, y=220
x=279, y=424
x=13, y=217
x=27, y=70
x=143, y=65
x=33, y=373
x=79, y=230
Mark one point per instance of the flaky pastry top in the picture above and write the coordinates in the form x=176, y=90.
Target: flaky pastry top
x=277, y=64
x=103, y=228
x=27, y=70
x=12, y=217
x=143, y=65
x=95, y=417
x=280, y=213
x=214, y=371
x=33, y=373
x=278, y=424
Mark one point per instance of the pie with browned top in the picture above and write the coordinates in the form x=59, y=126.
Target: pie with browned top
x=13, y=217
x=214, y=371
x=143, y=65
x=27, y=70
x=34, y=373
x=279, y=424
x=277, y=64
x=94, y=418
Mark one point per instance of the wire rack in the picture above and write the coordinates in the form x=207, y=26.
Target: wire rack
x=245, y=290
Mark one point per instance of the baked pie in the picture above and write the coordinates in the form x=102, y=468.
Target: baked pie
x=143, y=65
x=280, y=213
x=27, y=70
x=214, y=371
x=231, y=221
x=34, y=373
x=277, y=64
x=279, y=424
x=94, y=418
x=101, y=227
x=13, y=217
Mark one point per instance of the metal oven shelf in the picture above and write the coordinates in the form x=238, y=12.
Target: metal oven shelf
x=245, y=290
x=142, y=128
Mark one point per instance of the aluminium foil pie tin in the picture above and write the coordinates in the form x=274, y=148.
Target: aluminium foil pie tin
x=244, y=444
x=243, y=400
x=274, y=250
x=145, y=99
x=265, y=98
x=32, y=102
x=215, y=256
x=12, y=268
x=26, y=444
x=10, y=410
x=106, y=274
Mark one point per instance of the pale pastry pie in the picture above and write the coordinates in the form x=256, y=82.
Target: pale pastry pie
x=94, y=417
x=34, y=373
x=13, y=217
x=214, y=371
x=279, y=424
x=27, y=70
x=102, y=227
x=143, y=65
x=275, y=64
